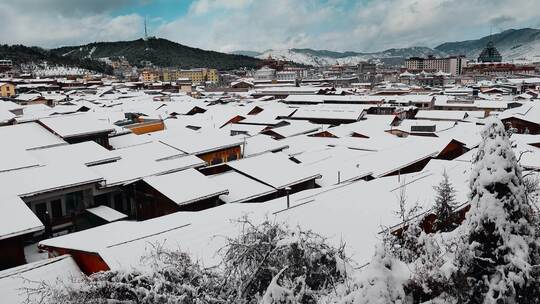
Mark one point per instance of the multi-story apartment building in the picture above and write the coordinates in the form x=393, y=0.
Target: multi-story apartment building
x=453, y=65
x=167, y=75
x=150, y=75
x=498, y=69
x=198, y=75
x=264, y=74
x=286, y=76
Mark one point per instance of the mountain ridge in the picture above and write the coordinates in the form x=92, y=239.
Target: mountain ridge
x=159, y=51
x=514, y=44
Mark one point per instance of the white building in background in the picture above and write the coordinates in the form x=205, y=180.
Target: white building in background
x=265, y=73
x=452, y=65
x=286, y=76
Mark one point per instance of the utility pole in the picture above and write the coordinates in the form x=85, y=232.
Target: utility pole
x=288, y=191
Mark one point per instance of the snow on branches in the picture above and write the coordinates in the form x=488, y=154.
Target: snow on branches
x=266, y=263
x=496, y=259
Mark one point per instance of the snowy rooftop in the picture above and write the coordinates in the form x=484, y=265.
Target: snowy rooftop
x=29, y=136
x=185, y=187
x=88, y=153
x=31, y=275
x=128, y=170
x=54, y=176
x=241, y=188
x=273, y=169
x=76, y=125
x=17, y=218
x=107, y=213
x=199, y=143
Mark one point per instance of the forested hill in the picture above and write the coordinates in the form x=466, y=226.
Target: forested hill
x=21, y=54
x=161, y=52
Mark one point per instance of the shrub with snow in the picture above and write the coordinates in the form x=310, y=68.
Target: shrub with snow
x=309, y=267
x=266, y=263
x=381, y=281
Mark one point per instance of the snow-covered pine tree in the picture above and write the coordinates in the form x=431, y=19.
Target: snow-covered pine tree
x=445, y=205
x=496, y=261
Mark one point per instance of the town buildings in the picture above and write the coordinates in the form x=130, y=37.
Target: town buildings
x=172, y=159
x=452, y=65
x=196, y=76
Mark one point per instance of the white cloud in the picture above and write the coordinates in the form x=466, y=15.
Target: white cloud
x=204, y=6
x=49, y=29
x=343, y=25
x=227, y=25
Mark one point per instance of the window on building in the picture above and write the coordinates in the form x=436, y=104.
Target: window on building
x=41, y=210
x=232, y=157
x=74, y=202
x=56, y=208
x=102, y=199
x=119, y=202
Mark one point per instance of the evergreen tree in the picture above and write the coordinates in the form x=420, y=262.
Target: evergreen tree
x=445, y=205
x=495, y=262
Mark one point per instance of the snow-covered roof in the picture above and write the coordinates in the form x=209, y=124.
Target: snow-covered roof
x=441, y=115
x=29, y=136
x=14, y=158
x=260, y=144
x=55, y=176
x=87, y=153
x=528, y=111
x=185, y=187
x=201, y=142
x=32, y=275
x=67, y=126
x=128, y=140
x=107, y=213
x=245, y=128
x=16, y=218
x=241, y=188
x=332, y=112
x=273, y=169
x=354, y=213
x=295, y=128
x=128, y=170
x=397, y=157
x=6, y=116
x=153, y=150
x=415, y=125
x=336, y=164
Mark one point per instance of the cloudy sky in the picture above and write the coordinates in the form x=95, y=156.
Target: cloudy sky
x=227, y=25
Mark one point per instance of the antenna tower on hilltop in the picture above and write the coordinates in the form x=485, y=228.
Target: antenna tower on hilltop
x=145, y=30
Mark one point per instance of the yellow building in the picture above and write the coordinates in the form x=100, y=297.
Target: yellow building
x=166, y=75
x=199, y=75
x=150, y=75
x=212, y=75
x=7, y=89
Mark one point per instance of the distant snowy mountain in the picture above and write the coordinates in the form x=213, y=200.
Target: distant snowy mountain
x=324, y=58
x=246, y=53
x=512, y=44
